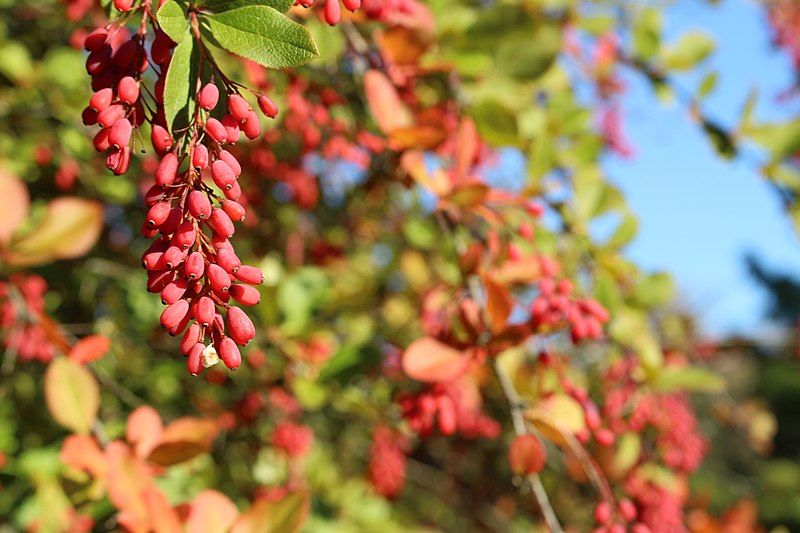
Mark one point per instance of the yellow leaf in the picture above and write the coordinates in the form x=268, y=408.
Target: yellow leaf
x=72, y=395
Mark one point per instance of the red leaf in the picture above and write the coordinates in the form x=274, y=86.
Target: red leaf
x=163, y=517
x=82, y=452
x=388, y=110
x=429, y=360
x=212, y=512
x=128, y=478
x=144, y=430
x=90, y=349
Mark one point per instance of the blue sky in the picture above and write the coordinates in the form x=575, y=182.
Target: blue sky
x=699, y=215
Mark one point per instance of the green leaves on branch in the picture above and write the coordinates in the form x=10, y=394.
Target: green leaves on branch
x=261, y=34
x=179, y=86
x=253, y=29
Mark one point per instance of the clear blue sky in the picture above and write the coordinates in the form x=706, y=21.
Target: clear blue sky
x=699, y=215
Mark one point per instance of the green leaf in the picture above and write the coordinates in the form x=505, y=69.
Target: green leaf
x=780, y=139
x=173, y=21
x=647, y=33
x=261, y=34
x=178, y=88
x=708, y=84
x=496, y=124
x=692, y=48
x=529, y=56
x=218, y=6
x=692, y=379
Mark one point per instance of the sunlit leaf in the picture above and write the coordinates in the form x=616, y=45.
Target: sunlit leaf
x=72, y=395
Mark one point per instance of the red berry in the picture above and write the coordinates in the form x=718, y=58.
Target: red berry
x=173, y=257
x=185, y=235
x=208, y=97
x=352, y=5
x=222, y=174
x=158, y=214
x=95, y=40
x=228, y=261
x=190, y=338
x=238, y=107
x=128, y=90
x=167, y=170
x=245, y=294
x=216, y=130
x=250, y=274
x=120, y=133
x=100, y=141
x=199, y=205
x=234, y=210
x=174, y=314
x=108, y=116
x=219, y=279
x=195, y=266
x=205, y=311
x=232, y=130
x=333, y=12
x=123, y=5
x=231, y=162
x=526, y=455
x=229, y=353
x=193, y=360
x=200, y=157
x=173, y=291
x=240, y=327
x=161, y=139
x=101, y=99
x=268, y=107
x=251, y=126
x=221, y=223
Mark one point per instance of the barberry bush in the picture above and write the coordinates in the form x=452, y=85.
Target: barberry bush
x=391, y=219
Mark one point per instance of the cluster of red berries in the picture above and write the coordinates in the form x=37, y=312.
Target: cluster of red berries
x=293, y=439
x=21, y=312
x=332, y=11
x=116, y=62
x=387, y=461
x=192, y=263
x=440, y=407
x=611, y=518
x=194, y=272
x=555, y=306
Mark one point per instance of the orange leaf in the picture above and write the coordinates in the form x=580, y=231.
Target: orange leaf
x=212, y=512
x=420, y=136
x=184, y=439
x=82, y=452
x=163, y=517
x=72, y=395
x=429, y=360
x=15, y=205
x=128, y=478
x=143, y=430
x=384, y=103
x=284, y=516
x=90, y=349
x=498, y=304
x=69, y=229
